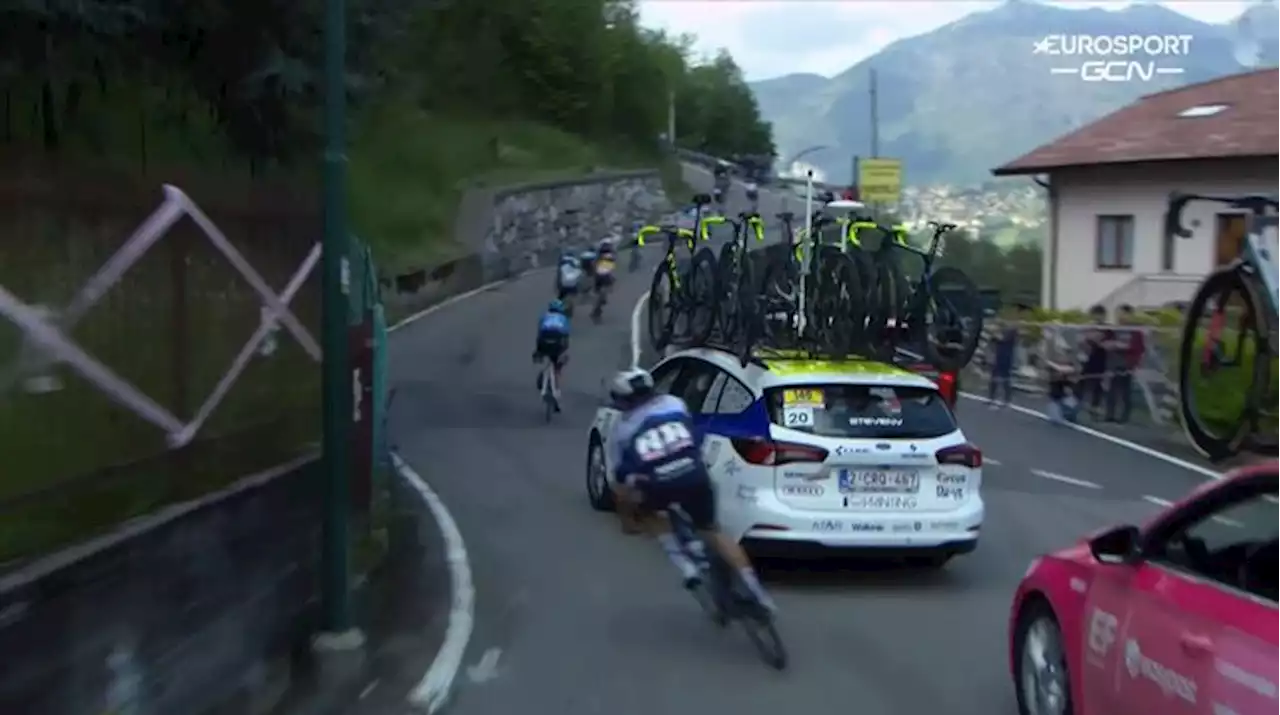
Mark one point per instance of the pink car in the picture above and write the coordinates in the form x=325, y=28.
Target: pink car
x=1177, y=617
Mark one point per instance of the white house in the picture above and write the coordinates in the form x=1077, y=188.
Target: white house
x=1108, y=185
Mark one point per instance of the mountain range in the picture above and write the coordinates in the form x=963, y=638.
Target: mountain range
x=955, y=102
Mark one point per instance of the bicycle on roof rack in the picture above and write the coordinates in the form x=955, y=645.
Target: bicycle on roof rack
x=735, y=276
x=941, y=311
x=812, y=297
x=681, y=298
x=1237, y=307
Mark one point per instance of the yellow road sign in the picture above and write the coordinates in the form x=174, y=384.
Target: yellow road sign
x=880, y=180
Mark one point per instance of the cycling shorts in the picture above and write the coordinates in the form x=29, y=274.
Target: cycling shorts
x=694, y=494
x=553, y=347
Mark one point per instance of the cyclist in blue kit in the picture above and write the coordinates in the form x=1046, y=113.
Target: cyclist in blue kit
x=657, y=464
x=553, y=340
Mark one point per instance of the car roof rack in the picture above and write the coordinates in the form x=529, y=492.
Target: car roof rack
x=903, y=357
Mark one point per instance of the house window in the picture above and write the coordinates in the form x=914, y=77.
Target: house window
x=1114, y=249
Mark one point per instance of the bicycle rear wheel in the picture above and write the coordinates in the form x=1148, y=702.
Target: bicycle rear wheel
x=779, y=301
x=1216, y=420
x=548, y=393
x=952, y=332
x=840, y=312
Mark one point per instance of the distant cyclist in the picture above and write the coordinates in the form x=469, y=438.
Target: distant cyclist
x=753, y=194
x=568, y=277
x=553, y=340
x=587, y=259
x=606, y=263
x=657, y=458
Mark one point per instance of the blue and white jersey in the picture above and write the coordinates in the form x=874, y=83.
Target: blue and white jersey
x=657, y=440
x=569, y=275
x=553, y=325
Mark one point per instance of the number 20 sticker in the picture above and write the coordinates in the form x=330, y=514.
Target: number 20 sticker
x=797, y=416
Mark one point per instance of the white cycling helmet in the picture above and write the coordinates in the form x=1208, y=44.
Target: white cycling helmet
x=631, y=386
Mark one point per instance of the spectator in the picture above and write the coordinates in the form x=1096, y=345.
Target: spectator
x=1124, y=356
x=1004, y=348
x=1093, y=363
x=1062, y=402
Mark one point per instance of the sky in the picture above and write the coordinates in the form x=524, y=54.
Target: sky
x=768, y=38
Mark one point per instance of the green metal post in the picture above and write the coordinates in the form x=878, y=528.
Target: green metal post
x=336, y=281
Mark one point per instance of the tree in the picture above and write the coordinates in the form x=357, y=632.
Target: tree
x=252, y=67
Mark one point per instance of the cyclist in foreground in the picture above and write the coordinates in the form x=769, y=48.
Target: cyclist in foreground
x=658, y=465
x=553, y=340
x=568, y=276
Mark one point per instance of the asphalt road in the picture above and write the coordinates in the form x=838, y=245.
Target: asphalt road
x=574, y=618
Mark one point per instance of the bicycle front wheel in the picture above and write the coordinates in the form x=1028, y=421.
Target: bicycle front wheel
x=1222, y=334
x=700, y=297
x=662, y=295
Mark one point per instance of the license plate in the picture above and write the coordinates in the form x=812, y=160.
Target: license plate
x=879, y=481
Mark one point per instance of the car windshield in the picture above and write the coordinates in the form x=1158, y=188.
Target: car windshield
x=861, y=411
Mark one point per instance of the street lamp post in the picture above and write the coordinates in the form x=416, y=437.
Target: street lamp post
x=805, y=152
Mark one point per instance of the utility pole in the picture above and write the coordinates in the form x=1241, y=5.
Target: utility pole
x=338, y=634
x=875, y=117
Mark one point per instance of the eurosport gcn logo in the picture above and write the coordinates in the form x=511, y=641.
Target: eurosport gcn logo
x=1115, y=58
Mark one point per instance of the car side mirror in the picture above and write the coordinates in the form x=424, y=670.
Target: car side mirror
x=1117, y=545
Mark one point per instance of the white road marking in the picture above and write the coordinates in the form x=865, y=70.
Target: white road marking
x=1157, y=500
x=1065, y=479
x=368, y=689
x=636, y=314
x=992, y=462
x=433, y=691
x=1141, y=449
x=486, y=668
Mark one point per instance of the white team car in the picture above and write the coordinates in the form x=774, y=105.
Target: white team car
x=817, y=457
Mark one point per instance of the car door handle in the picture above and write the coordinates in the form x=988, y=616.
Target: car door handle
x=1195, y=644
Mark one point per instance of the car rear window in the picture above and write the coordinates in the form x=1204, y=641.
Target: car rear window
x=861, y=411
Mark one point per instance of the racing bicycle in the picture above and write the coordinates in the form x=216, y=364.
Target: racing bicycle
x=1238, y=302
x=724, y=596
x=549, y=388
x=941, y=312
x=735, y=282
x=676, y=295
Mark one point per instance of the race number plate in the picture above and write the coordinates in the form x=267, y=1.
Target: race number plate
x=879, y=481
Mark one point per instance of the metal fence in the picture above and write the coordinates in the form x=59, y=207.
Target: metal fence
x=1043, y=345
x=147, y=353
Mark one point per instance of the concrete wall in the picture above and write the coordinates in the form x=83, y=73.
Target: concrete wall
x=194, y=610
x=514, y=229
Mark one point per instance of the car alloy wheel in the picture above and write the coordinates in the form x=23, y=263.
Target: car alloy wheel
x=598, y=477
x=1043, y=685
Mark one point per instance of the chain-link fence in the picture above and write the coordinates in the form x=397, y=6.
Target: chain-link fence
x=141, y=359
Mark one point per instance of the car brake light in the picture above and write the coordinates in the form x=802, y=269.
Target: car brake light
x=964, y=455
x=769, y=453
x=947, y=386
